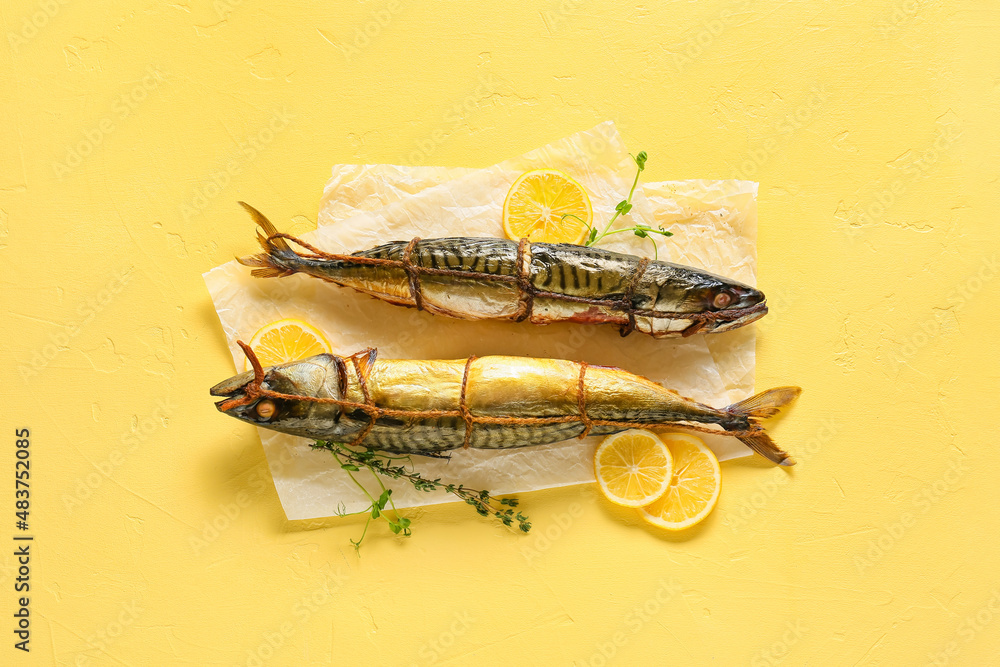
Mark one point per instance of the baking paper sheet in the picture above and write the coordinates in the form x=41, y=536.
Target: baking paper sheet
x=364, y=205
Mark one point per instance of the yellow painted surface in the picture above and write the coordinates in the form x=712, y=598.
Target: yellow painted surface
x=131, y=129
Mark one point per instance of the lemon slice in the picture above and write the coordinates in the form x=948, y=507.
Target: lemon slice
x=694, y=485
x=547, y=206
x=287, y=340
x=632, y=468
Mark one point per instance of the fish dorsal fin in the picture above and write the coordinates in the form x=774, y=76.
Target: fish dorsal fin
x=364, y=360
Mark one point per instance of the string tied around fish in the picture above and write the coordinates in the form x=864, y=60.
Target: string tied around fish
x=528, y=291
x=254, y=390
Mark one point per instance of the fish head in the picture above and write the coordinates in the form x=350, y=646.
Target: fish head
x=729, y=304
x=315, y=377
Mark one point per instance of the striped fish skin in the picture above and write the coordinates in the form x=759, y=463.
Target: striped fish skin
x=459, y=297
x=497, y=386
x=556, y=270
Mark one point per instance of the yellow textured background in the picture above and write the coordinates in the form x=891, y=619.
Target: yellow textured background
x=873, y=129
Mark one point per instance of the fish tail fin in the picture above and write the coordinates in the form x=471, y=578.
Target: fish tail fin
x=278, y=259
x=766, y=404
x=762, y=443
x=762, y=406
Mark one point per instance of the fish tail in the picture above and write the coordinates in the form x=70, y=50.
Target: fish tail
x=762, y=443
x=278, y=259
x=763, y=406
x=766, y=404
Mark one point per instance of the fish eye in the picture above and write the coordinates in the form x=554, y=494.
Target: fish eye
x=266, y=409
x=722, y=300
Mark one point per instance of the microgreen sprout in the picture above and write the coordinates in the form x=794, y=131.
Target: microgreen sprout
x=624, y=207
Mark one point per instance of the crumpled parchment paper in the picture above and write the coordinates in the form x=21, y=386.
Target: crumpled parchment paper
x=714, y=225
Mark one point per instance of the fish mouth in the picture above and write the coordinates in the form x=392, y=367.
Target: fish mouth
x=222, y=407
x=236, y=399
x=726, y=320
x=746, y=315
x=232, y=390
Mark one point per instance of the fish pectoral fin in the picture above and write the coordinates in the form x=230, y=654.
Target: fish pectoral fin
x=364, y=360
x=359, y=415
x=693, y=328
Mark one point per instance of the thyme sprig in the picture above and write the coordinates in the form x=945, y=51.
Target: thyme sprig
x=640, y=229
x=384, y=465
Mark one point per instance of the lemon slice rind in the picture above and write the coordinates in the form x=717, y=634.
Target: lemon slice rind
x=547, y=206
x=286, y=340
x=633, y=468
x=695, y=485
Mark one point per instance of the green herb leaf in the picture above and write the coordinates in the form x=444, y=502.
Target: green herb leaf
x=624, y=207
x=381, y=464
